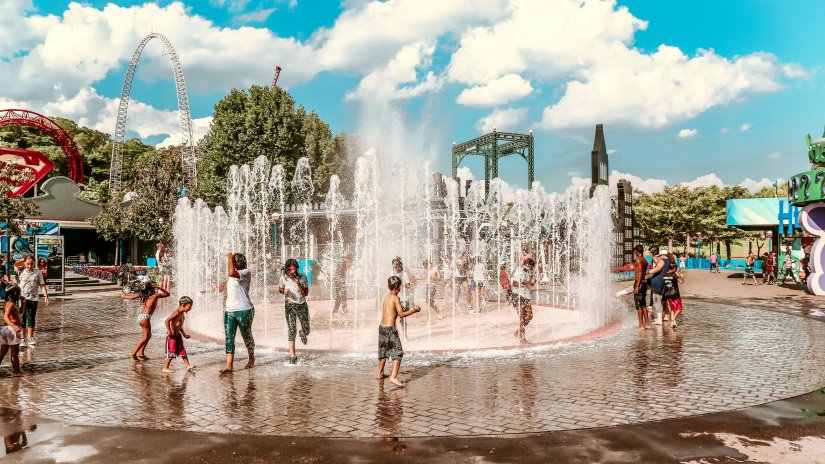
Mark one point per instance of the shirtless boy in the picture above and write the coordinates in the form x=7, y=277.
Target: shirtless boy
x=11, y=334
x=149, y=297
x=389, y=343
x=175, y=334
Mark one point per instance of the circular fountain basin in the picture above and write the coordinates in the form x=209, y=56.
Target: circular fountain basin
x=454, y=331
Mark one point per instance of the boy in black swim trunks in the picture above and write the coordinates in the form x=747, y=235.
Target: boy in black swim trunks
x=389, y=343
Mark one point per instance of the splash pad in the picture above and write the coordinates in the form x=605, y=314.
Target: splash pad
x=417, y=216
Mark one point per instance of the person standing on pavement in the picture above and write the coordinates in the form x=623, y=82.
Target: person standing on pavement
x=787, y=267
x=295, y=289
x=238, y=310
x=31, y=280
x=768, y=277
x=749, y=269
x=713, y=259
x=640, y=287
x=660, y=266
x=804, y=264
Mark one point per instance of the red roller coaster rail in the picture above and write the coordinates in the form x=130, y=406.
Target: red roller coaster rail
x=32, y=119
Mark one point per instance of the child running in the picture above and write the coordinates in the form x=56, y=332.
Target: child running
x=11, y=334
x=389, y=343
x=175, y=334
x=671, y=293
x=149, y=295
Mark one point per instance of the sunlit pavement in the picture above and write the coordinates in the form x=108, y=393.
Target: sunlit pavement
x=498, y=405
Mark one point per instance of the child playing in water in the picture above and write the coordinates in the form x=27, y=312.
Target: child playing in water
x=671, y=293
x=389, y=343
x=433, y=278
x=149, y=295
x=175, y=334
x=11, y=334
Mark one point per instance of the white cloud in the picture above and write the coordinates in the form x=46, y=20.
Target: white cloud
x=231, y=5
x=648, y=186
x=257, y=16
x=506, y=119
x=92, y=110
x=464, y=174
x=369, y=33
x=497, y=92
x=643, y=185
x=745, y=127
x=724, y=131
x=774, y=155
x=630, y=88
x=754, y=186
x=685, y=134
x=385, y=84
x=60, y=60
x=707, y=180
x=548, y=39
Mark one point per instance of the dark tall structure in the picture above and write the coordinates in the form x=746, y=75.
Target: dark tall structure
x=492, y=147
x=598, y=161
x=626, y=230
x=624, y=225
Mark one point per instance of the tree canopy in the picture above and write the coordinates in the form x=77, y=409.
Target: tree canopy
x=678, y=211
x=265, y=121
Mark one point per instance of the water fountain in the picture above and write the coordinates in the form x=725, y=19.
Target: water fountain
x=435, y=220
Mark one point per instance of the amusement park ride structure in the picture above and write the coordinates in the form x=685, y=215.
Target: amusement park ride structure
x=489, y=146
x=188, y=155
x=35, y=161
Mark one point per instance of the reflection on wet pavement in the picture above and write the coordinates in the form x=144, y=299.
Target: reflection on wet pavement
x=720, y=358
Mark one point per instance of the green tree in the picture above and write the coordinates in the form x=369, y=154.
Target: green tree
x=152, y=198
x=265, y=121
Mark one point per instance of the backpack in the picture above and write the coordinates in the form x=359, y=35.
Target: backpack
x=670, y=290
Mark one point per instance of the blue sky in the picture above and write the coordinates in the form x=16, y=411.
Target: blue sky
x=706, y=93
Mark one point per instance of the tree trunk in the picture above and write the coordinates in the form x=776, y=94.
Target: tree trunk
x=750, y=246
x=670, y=244
x=687, y=245
x=727, y=247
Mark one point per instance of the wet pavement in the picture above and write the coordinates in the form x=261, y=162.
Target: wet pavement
x=489, y=405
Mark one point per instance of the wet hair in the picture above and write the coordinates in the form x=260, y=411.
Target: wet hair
x=289, y=263
x=639, y=249
x=393, y=283
x=147, y=289
x=13, y=294
x=185, y=300
x=654, y=250
x=397, y=259
x=239, y=260
x=529, y=262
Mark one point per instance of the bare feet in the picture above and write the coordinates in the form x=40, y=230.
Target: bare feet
x=251, y=363
x=397, y=382
x=647, y=326
x=523, y=341
x=144, y=357
x=166, y=370
x=226, y=370
x=189, y=368
x=18, y=374
x=641, y=327
x=133, y=357
x=381, y=376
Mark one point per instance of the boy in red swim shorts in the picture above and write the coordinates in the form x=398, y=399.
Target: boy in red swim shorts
x=175, y=334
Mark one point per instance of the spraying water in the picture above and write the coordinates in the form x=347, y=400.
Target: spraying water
x=467, y=235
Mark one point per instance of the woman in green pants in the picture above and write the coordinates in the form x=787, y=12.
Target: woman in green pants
x=238, y=310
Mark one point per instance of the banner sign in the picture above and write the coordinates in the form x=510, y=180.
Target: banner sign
x=49, y=260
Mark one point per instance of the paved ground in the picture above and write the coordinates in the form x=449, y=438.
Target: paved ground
x=723, y=357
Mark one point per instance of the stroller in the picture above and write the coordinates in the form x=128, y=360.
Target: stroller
x=128, y=279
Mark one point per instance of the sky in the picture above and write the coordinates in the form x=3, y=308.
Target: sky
x=700, y=92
